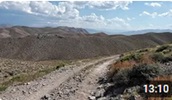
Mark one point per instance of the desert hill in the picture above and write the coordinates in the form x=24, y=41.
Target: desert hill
x=23, y=31
x=70, y=43
x=135, y=68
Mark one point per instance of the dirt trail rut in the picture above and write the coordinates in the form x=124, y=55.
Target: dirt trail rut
x=68, y=83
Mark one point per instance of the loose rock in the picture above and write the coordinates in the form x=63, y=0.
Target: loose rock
x=92, y=98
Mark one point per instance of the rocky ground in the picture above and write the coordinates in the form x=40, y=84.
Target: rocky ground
x=79, y=81
x=108, y=91
x=10, y=68
x=82, y=85
x=72, y=82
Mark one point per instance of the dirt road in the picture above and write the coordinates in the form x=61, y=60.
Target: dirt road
x=73, y=82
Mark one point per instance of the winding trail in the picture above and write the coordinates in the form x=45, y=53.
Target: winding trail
x=71, y=82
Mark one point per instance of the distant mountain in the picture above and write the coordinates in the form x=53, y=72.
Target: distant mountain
x=7, y=30
x=23, y=31
x=146, y=31
x=92, y=30
x=112, y=32
x=100, y=34
x=107, y=31
x=5, y=25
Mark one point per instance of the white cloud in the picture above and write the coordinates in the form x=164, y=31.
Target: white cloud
x=102, y=5
x=93, y=18
x=62, y=10
x=116, y=20
x=129, y=19
x=169, y=13
x=153, y=15
x=169, y=26
x=79, y=4
x=21, y=6
x=118, y=23
x=44, y=8
x=151, y=25
x=109, y=5
x=65, y=13
x=153, y=4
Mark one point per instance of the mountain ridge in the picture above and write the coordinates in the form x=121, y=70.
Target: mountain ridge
x=23, y=31
x=129, y=32
x=77, y=46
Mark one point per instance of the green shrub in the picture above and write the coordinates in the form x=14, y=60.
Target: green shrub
x=2, y=88
x=136, y=75
x=142, y=50
x=121, y=78
x=166, y=51
x=135, y=57
x=161, y=48
x=166, y=59
x=142, y=73
x=158, y=57
x=60, y=65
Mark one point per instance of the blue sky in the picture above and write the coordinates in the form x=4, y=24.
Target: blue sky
x=104, y=15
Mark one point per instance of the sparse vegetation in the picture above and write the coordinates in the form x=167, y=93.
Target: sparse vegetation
x=162, y=58
x=160, y=54
x=25, y=77
x=135, y=57
x=158, y=57
x=161, y=48
x=143, y=73
x=136, y=75
x=3, y=88
x=32, y=70
x=143, y=50
x=137, y=67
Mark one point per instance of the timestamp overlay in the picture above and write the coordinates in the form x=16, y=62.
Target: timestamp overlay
x=158, y=89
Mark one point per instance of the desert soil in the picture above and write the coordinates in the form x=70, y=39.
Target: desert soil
x=72, y=82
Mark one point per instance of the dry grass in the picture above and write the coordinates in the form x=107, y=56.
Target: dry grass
x=163, y=78
x=128, y=64
x=25, y=77
x=120, y=65
x=16, y=72
x=124, y=64
x=31, y=70
x=146, y=59
x=142, y=56
x=146, y=56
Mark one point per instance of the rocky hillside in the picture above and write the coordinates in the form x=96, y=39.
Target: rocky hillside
x=70, y=43
x=23, y=31
x=135, y=68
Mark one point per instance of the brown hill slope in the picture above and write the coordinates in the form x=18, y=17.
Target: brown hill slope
x=23, y=31
x=47, y=47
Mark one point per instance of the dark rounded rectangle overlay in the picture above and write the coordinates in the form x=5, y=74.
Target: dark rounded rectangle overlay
x=158, y=89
